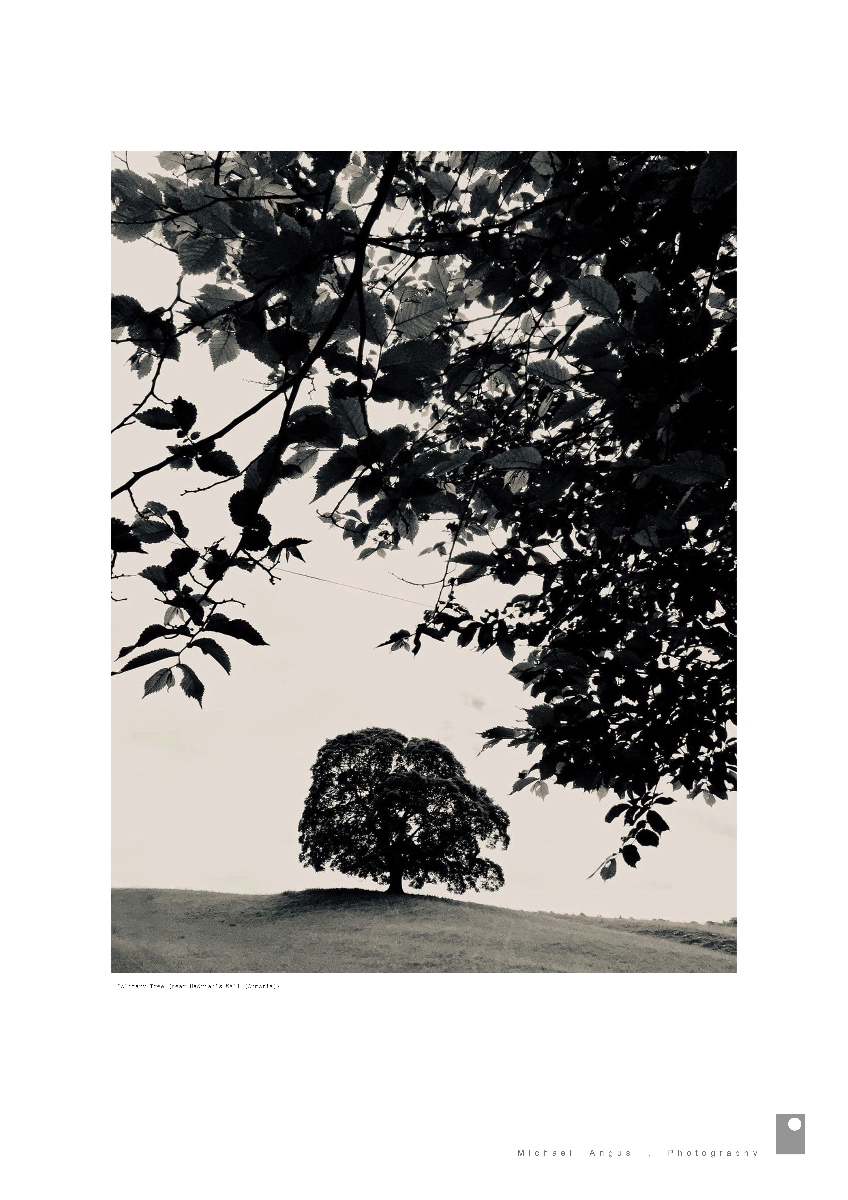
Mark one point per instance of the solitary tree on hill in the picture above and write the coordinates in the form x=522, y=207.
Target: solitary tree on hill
x=386, y=807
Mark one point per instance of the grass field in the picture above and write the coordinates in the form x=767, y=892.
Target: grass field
x=353, y=930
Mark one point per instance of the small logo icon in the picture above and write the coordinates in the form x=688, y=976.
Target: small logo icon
x=790, y=1133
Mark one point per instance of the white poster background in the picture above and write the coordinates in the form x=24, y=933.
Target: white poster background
x=348, y=1086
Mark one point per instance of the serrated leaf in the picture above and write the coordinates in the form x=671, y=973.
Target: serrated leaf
x=646, y=539
x=549, y=339
x=160, y=679
x=473, y=558
x=129, y=185
x=541, y=163
x=199, y=256
x=191, y=684
x=348, y=412
x=528, y=323
x=223, y=348
x=236, y=628
x=149, y=634
x=690, y=469
x=256, y=535
x=215, y=298
x=185, y=413
x=647, y=837
x=630, y=854
x=338, y=468
x=519, y=459
x=616, y=811
x=218, y=462
x=243, y=507
x=595, y=294
x=418, y=317
x=315, y=425
x=179, y=524
x=716, y=175
x=376, y=321
x=214, y=651
x=182, y=561
x=124, y=541
x=608, y=870
x=396, y=638
x=151, y=531
x=142, y=363
x=151, y=656
x=643, y=283
x=430, y=355
x=540, y=715
x=216, y=565
x=358, y=186
x=264, y=472
x=452, y=462
x=170, y=160
x=390, y=442
x=492, y=160
x=471, y=573
x=442, y=184
x=572, y=408
x=299, y=464
x=461, y=379
x=124, y=310
x=656, y=822
x=156, y=575
x=157, y=418
x=291, y=546
x=131, y=230
x=550, y=370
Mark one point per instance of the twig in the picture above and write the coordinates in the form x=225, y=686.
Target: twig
x=216, y=483
x=294, y=383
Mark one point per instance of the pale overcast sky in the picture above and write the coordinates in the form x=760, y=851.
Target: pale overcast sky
x=211, y=798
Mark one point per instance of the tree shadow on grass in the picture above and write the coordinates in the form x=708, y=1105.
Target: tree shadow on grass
x=290, y=904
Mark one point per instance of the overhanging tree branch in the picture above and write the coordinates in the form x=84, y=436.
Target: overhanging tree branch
x=391, y=165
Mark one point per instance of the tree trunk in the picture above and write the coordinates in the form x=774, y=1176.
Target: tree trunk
x=395, y=882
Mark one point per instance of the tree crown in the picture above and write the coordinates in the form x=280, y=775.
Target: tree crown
x=386, y=807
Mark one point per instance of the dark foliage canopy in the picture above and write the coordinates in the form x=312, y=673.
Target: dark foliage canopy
x=386, y=807
x=526, y=361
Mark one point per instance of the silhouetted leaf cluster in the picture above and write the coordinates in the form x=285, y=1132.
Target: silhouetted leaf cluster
x=390, y=808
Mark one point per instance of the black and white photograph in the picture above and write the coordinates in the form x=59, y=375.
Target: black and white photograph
x=423, y=561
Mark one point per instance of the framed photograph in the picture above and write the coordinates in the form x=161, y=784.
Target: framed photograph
x=425, y=592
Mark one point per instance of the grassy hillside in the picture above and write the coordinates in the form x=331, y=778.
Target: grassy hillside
x=355, y=930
